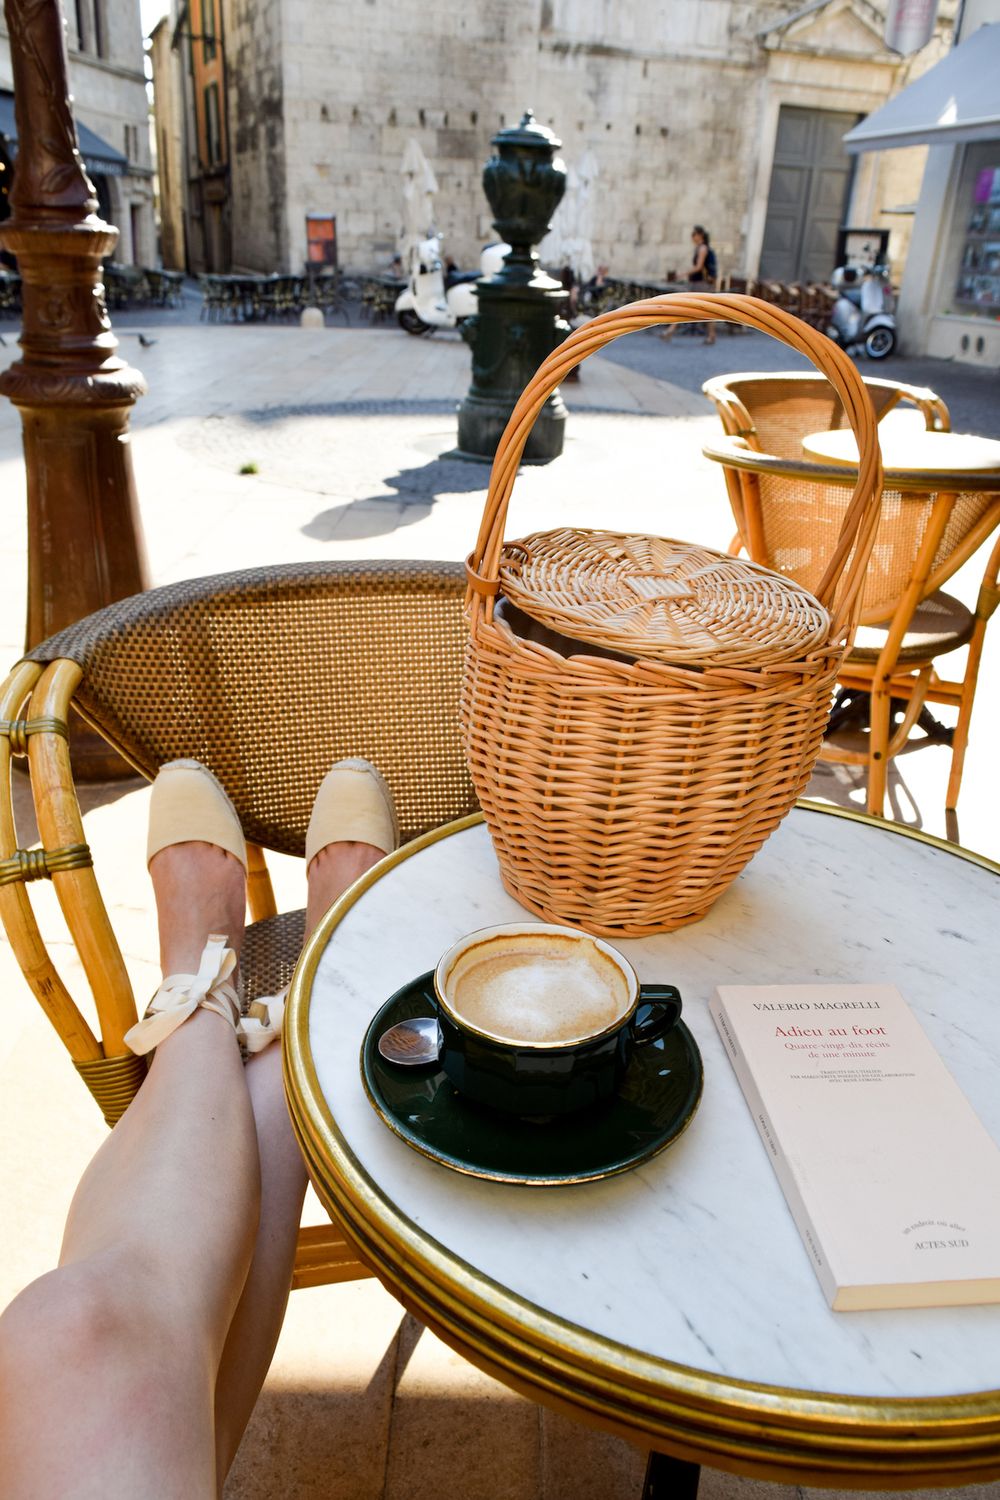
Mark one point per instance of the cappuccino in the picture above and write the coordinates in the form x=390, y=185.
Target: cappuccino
x=545, y=990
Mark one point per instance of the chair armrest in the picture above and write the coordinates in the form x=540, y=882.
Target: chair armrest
x=734, y=416
x=43, y=696
x=934, y=411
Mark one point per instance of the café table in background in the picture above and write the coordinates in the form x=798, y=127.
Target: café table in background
x=907, y=449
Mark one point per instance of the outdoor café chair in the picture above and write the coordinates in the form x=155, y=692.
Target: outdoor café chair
x=219, y=301
x=788, y=512
x=773, y=413
x=266, y=676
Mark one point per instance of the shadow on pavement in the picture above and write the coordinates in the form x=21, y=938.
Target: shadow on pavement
x=416, y=490
x=91, y=795
x=846, y=785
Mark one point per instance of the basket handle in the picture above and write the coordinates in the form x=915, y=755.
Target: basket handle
x=858, y=532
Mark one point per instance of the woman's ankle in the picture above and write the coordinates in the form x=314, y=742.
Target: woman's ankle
x=199, y=889
x=333, y=870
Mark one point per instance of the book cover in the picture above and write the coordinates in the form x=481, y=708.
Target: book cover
x=892, y=1179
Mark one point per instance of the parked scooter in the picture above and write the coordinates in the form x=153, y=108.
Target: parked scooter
x=863, y=316
x=436, y=298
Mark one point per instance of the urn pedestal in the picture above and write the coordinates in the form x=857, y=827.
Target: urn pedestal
x=518, y=322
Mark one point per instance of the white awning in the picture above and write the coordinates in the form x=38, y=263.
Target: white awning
x=956, y=100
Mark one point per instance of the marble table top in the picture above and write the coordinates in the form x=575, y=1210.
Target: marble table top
x=907, y=450
x=693, y=1257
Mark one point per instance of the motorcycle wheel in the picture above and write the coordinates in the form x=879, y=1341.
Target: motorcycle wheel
x=411, y=322
x=880, y=343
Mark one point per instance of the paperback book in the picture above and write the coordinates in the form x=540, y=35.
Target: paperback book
x=892, y=1179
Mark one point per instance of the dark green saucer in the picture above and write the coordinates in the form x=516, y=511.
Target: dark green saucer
x=658, y=1099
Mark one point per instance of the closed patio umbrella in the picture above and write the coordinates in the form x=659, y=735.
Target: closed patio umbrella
x=570, y=241
x=419, y=187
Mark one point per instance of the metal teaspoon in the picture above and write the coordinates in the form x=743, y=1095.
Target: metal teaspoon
x=411, y=1044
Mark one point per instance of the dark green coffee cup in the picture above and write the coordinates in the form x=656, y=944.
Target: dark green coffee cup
x=538, y=1020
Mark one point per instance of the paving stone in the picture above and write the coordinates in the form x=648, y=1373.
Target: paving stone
x=457, y=1432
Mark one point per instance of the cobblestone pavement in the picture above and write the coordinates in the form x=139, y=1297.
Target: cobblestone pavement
x=350, y=435
x=972, y=394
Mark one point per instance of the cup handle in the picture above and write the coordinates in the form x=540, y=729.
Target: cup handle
x=657, y=1013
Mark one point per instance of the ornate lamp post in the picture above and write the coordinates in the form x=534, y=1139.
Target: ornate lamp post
x=518, y=321
x=85, y=545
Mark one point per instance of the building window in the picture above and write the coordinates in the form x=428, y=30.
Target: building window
x=100, y=29
x=977, y=281
x=208, y=32
x=213, y=136
x=81, y=35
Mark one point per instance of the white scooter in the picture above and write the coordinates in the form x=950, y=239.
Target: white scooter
x=439, y=299
x=863, y=315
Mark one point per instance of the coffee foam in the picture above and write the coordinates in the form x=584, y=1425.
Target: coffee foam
x=552, y=991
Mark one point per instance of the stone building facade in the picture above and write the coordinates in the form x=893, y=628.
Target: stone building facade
x=192, y=126
x=170, y=157
x=689, y=111
x=108, y=83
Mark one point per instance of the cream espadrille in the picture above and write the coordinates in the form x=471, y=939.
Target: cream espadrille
x=353, y=805
x=189, y=805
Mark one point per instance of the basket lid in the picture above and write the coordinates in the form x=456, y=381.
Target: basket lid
x=662, y=599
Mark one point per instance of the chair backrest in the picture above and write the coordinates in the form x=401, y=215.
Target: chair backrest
x=775, y=412
x=790, y=514
x=268, y=676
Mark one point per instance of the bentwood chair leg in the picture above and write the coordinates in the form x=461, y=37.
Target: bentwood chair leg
x=960, y=737
x=670, y=1479
x=986, y=605
x=260, y=892
x=878, y=754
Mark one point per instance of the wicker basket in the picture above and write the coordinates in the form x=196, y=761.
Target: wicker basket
x=627, y=774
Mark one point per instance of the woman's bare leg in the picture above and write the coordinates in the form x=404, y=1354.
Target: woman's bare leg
x=108, y=1364
x=257, y=1323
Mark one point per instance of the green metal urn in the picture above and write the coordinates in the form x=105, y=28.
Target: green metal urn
x=518, y=322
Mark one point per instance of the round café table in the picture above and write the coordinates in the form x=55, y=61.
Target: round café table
x=907, y=450
x=675, y=1304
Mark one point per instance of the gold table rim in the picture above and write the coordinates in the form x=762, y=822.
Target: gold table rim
x=746, y=1426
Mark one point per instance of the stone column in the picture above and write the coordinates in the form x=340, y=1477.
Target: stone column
x=518, y=323
x=85, y=544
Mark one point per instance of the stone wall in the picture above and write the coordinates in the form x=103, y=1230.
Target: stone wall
x=669, y=99
x=170, y=164
x=359, y=85
x=643, y=99
x=672, y=100
x=257, y=123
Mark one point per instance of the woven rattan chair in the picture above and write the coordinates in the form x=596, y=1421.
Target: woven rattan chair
x=267, y=677
x=773, y=413
x=789, y=512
